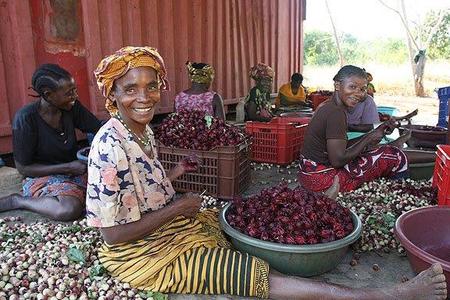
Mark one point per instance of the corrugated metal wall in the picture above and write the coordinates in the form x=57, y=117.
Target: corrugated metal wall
x=232, y=35
x=17, y=63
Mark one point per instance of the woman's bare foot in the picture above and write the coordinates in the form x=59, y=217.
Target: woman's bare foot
x=9, y=202
x=333, y=190
x=429, y=284
x=402, y=139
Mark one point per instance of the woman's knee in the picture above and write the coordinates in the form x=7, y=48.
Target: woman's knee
x=70, y=209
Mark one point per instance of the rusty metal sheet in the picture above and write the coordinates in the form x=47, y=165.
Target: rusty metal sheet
x=232, y=35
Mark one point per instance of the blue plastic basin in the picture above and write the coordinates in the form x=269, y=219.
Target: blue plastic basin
x=444, y=98
x=388, y=110
x=355, y=134
x=83, y=153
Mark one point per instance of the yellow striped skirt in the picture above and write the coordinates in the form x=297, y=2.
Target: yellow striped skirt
x=187, y=256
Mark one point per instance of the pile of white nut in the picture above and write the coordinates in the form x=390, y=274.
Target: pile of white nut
x=379, y=203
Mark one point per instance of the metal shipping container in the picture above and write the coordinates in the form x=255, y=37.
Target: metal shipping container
x=232, y=35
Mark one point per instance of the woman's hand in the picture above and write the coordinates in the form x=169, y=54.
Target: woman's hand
x=265, y=113
x=407, y=117
x=391, y=124
x=189, y=204
x=76, y=167
x=384, y=128
x=190, y=163
x=377, y=134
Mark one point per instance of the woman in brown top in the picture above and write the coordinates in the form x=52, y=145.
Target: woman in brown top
x=326, y=153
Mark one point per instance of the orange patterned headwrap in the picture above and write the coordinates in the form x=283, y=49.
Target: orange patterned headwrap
x=118, y=64
x=261, y=71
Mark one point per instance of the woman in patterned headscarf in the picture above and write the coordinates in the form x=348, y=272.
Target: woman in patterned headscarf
x=152, y=241
x=130, y=196
x=198, y=96
x=258, y=106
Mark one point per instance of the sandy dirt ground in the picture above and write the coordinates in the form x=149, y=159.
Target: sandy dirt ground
x=392, y=266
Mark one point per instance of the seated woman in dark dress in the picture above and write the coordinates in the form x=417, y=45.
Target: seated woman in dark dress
x=45, y=147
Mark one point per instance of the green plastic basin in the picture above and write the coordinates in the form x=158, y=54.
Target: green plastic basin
x=421, y=171
x=299, y=260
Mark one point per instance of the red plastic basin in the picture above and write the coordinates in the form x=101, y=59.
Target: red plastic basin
x=425, y=234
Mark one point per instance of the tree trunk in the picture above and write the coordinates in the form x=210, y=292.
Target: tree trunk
x=418, y=76
x=418, y=82
x=336, y=38
x=417, y=51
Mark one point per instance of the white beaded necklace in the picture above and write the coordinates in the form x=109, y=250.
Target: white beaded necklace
x=147, y=142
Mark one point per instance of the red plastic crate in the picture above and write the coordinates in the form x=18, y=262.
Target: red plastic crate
x=318, y=97
x=441, y=176
x=278, y=141
x=300, y=136
x=224, y=171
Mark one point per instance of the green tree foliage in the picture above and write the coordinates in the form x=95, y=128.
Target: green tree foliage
x=440, y=42
x=389, y=51
x=353, y=51
x=320, y=49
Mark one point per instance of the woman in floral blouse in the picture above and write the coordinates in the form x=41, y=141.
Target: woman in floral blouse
x=155, y=242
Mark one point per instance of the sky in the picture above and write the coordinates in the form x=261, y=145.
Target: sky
x=366, y=19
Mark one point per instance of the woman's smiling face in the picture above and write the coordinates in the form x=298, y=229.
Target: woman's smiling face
x=64, y=96
x=351, y=90
x=136, y=94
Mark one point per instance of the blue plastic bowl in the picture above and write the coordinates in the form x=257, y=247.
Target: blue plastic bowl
x=83, y=154
x=355, y=134
x=387, y=110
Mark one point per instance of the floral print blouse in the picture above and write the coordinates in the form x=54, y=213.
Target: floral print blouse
x=123, y=182
x=202, y=102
